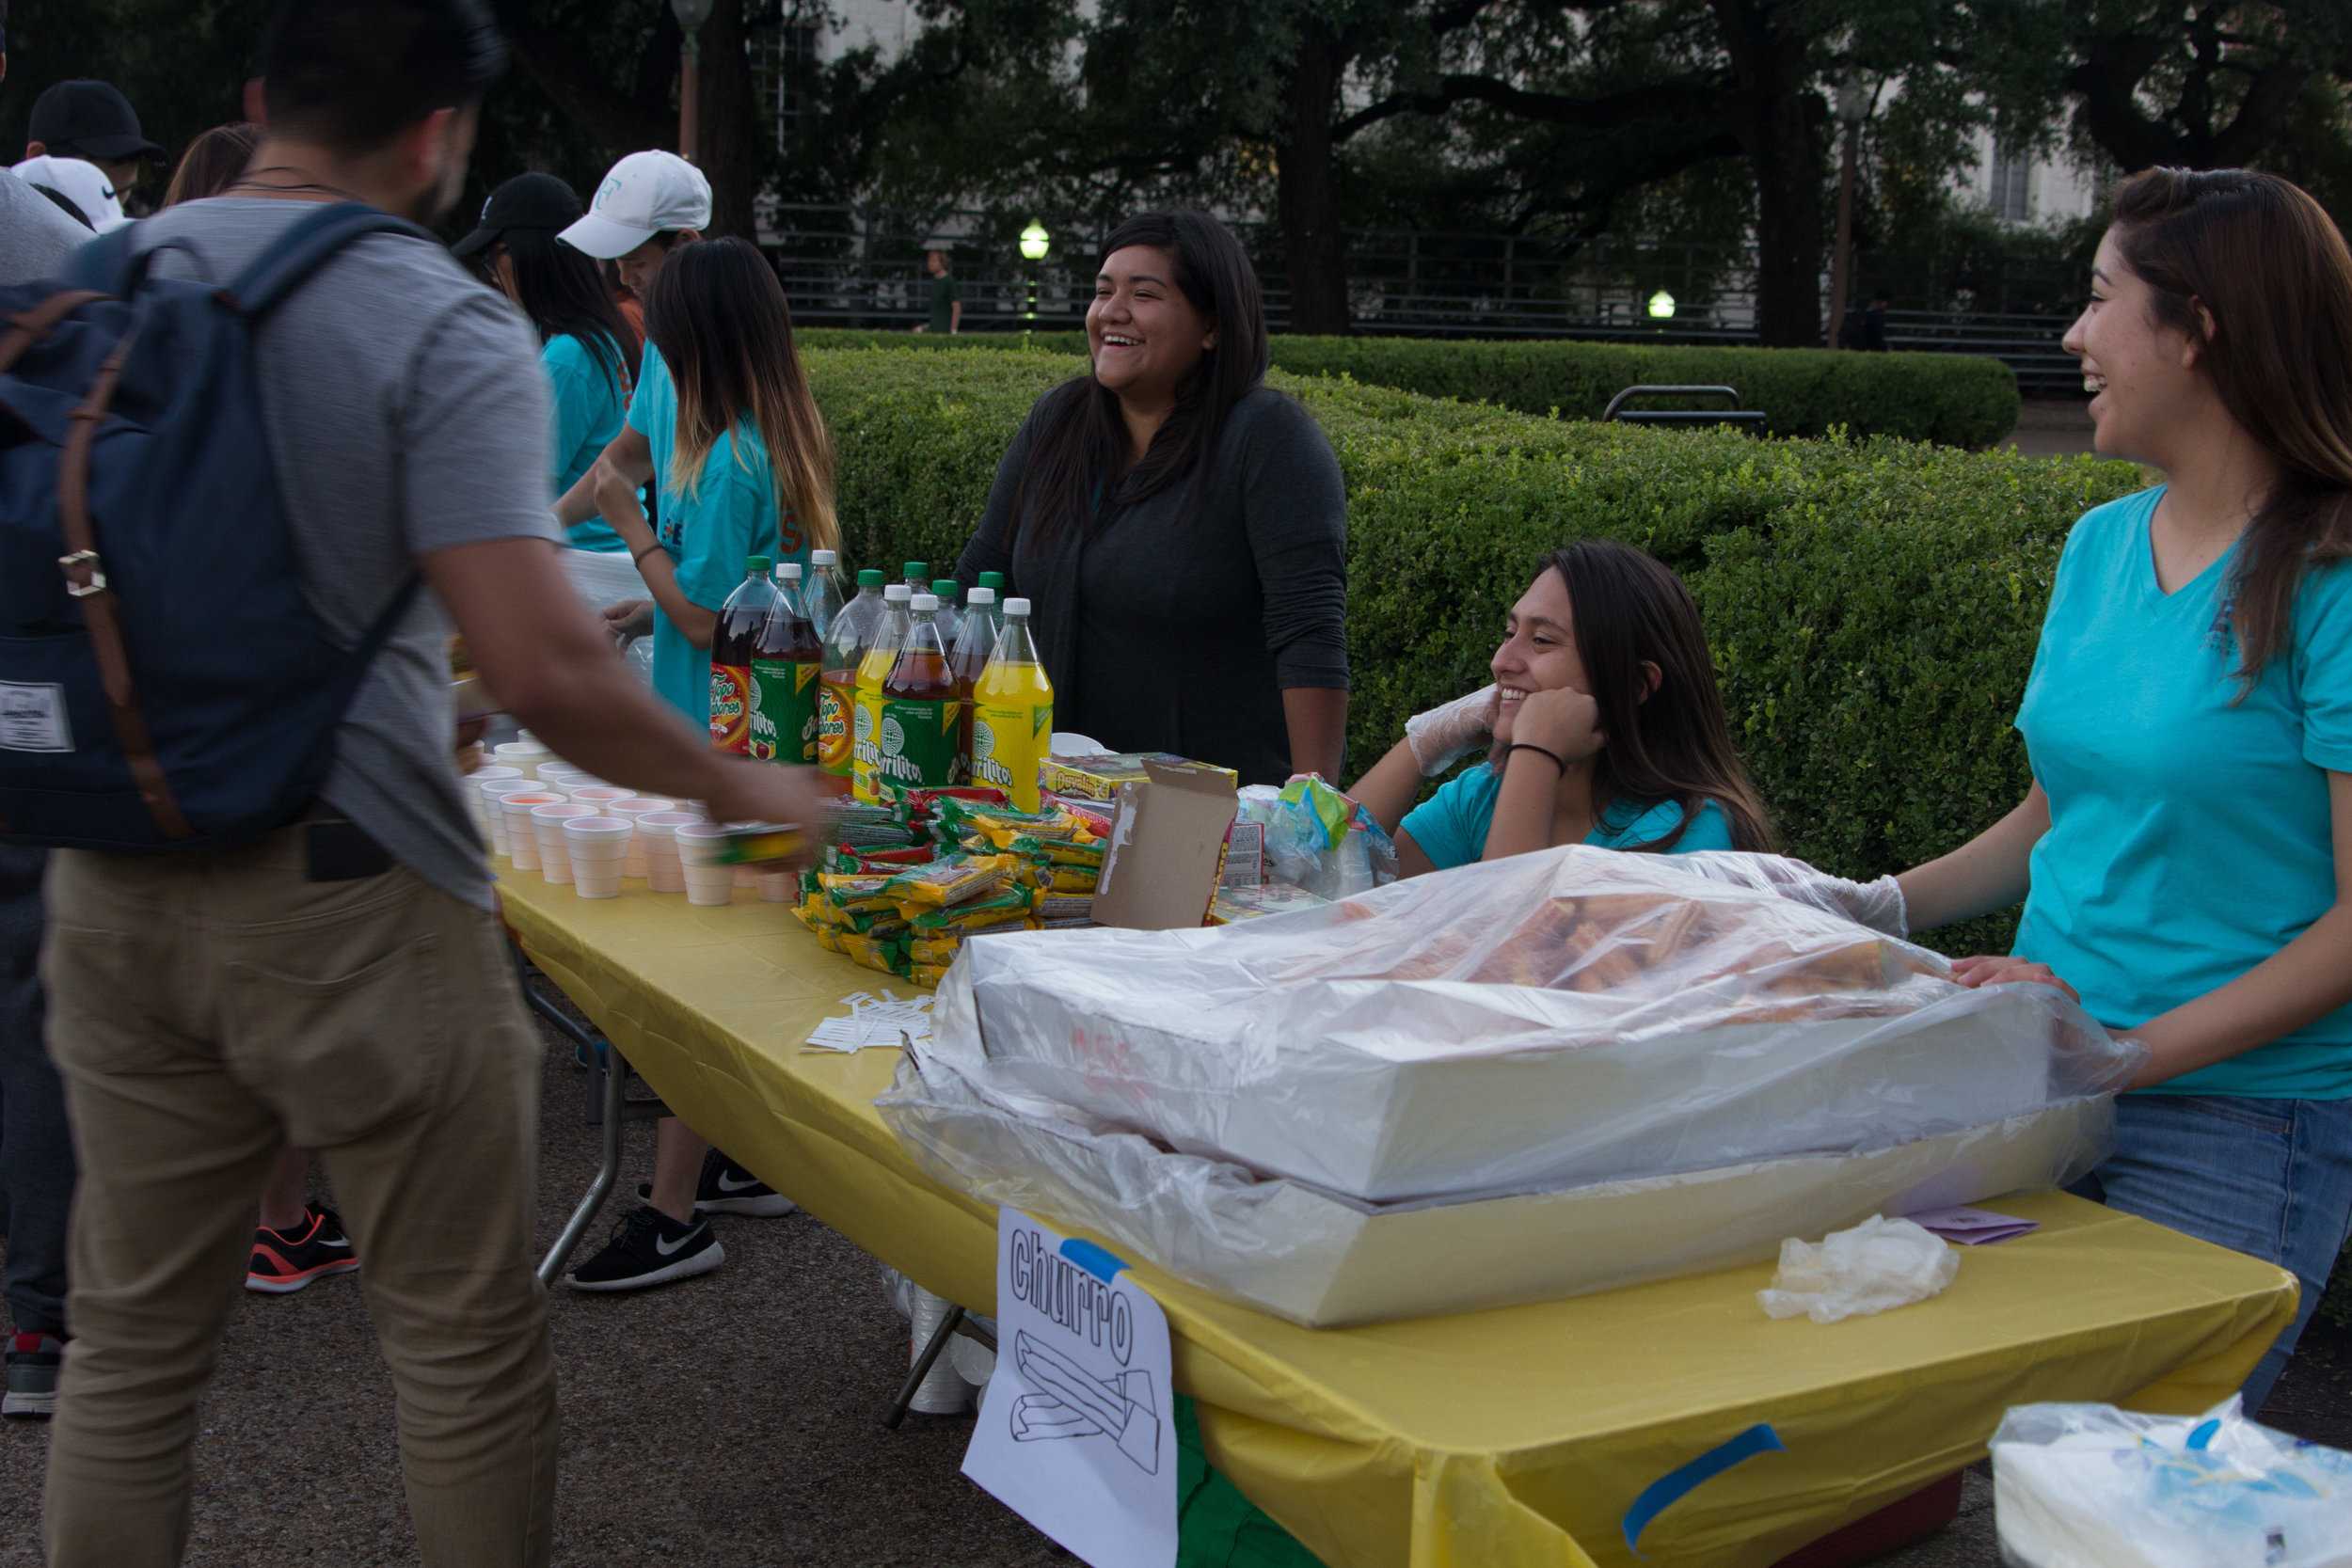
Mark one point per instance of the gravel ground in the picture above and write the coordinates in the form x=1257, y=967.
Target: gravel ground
x=733, y=1419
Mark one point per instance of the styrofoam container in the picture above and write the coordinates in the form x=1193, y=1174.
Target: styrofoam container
x=523, y=755
x=777, y=887
x=633, y=808
x=495, y=770
x=555, y=859
x=707, y=881
x=488, y=793
x=599, y=796
x=1323, y=1259
x=598, y=846
x=522, y=841
x=657, y=832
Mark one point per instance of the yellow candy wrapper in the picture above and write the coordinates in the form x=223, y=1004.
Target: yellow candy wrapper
x=949, y=883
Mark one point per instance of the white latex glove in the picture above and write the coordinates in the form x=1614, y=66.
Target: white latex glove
x=1450, y=732
x=1878, y=905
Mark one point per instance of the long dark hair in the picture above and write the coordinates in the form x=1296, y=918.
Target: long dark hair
x=1080, y=449
x=720, y=320
x=1671, y=744
x=2272, y=269
x=212, y=162
x=563, y=295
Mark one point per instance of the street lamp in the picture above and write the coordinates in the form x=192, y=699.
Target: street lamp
x=1853, y=107
x=1661, y=306
x=690, y=14
x=1035, y=245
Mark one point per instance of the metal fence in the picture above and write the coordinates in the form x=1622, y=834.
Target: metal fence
x=847, y=268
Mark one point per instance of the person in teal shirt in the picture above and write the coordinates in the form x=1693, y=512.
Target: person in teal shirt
x=1605, y=723
x=2182, y=852
x=586, y=347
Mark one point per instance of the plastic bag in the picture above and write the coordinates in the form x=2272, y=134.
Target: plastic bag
x=1319, y=839
x=1874, y=1267
x=2091, y=1486
x=1575, y=1015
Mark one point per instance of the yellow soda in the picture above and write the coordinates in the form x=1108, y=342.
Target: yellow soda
x=873, y=669
x=1013, y=712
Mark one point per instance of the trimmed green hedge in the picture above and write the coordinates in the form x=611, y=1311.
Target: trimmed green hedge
x=1955, y=399
x=1872, y=607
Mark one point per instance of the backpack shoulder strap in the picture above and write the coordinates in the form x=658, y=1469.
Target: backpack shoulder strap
x=306, y=246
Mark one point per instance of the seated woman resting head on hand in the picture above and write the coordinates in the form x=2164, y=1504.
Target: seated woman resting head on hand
x=1606, y=729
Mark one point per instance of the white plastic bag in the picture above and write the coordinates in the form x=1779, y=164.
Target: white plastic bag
x=2091, y=1486
x=1577, y=1015
x=1875, y=1267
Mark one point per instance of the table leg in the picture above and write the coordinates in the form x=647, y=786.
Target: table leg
x=932, y=1352
x=616, y=1071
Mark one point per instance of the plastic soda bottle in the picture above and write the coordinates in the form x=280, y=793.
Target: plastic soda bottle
x=994, y=583
x=874, y=665
x=825, y=593
x=922, y=716
x=919, y=577
x=836, y=696
x=968, y=656
x=1012, y=718
x=731, y=644
x=788, y=668
x=946, y=590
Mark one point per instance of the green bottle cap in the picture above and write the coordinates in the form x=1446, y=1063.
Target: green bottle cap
x=758, y=565
x=993, y=579
x=949, y=590
x=870, y=578
x=918, y=571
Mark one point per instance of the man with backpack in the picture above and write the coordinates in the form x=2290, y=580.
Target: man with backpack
x=339, y=983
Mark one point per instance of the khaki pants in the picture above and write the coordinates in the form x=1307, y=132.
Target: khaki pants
x=205, y=1010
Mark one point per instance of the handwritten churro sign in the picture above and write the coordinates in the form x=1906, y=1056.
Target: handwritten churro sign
x=1077, y=1431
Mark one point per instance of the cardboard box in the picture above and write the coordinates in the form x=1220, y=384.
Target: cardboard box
x=1166, y=845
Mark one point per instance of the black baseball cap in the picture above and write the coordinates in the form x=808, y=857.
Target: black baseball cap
x=525, y=201
x=89, y=119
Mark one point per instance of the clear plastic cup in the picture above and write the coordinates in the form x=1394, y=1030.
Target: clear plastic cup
x=524, y=756
x=522, y=842
x=657, y=832
x=708, y=881
x=597, y=845
x=633, y=808
x=555, y=861
x=488, y=793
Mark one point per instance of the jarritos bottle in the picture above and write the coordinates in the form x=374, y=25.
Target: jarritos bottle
x=922, y=717
x=873, y=668
x=836, y=697
x=1013, y=713
x=731, y=648
x=967, y=658
x=787, y=662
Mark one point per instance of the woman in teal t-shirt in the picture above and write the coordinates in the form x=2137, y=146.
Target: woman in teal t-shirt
x=2182, y=854
x=587, y=349
x=725, y=427
x=1606, y=725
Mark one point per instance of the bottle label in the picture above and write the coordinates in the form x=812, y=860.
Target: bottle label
x=918, y=744
x=783, y=710
x=809, y=687
x=1008, y=744
x=867, y=750
x=835, y=700
x=731, y=707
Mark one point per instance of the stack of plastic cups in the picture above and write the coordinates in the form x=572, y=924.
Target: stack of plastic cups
x=596, y=846
x=709, y=881
x=599, y=796
x=523, y=755
x=488, y=795
x=523, y=842
x=555, y=861
x=658, y=831
x=637, y=806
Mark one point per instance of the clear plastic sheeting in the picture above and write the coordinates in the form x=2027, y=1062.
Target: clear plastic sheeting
x=1323, y=1259
x=1546, y=1021
x=2091, y=1486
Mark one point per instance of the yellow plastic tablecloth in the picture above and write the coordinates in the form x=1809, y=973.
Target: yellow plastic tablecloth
x=1487, y=1440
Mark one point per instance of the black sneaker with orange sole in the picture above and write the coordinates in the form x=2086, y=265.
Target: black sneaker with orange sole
x=285, y=1261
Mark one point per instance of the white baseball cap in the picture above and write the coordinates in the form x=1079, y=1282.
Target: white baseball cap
x=80, y=181
x=646, y=193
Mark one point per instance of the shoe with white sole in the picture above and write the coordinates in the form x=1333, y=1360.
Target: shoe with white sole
x=33, y=1360
x=649, y=1248
x=727, y=1188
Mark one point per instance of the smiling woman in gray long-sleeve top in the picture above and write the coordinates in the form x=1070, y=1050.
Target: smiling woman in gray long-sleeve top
x=1181, y=528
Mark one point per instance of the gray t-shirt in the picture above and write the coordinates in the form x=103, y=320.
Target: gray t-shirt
x=407, y=413
x=35, y=236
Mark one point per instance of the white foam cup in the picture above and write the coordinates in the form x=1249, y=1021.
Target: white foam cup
x=555, y=861
x=657, y=832
x=597, y=845
x=523, y=842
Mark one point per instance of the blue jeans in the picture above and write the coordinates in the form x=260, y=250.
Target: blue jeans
x=2268, y=1178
